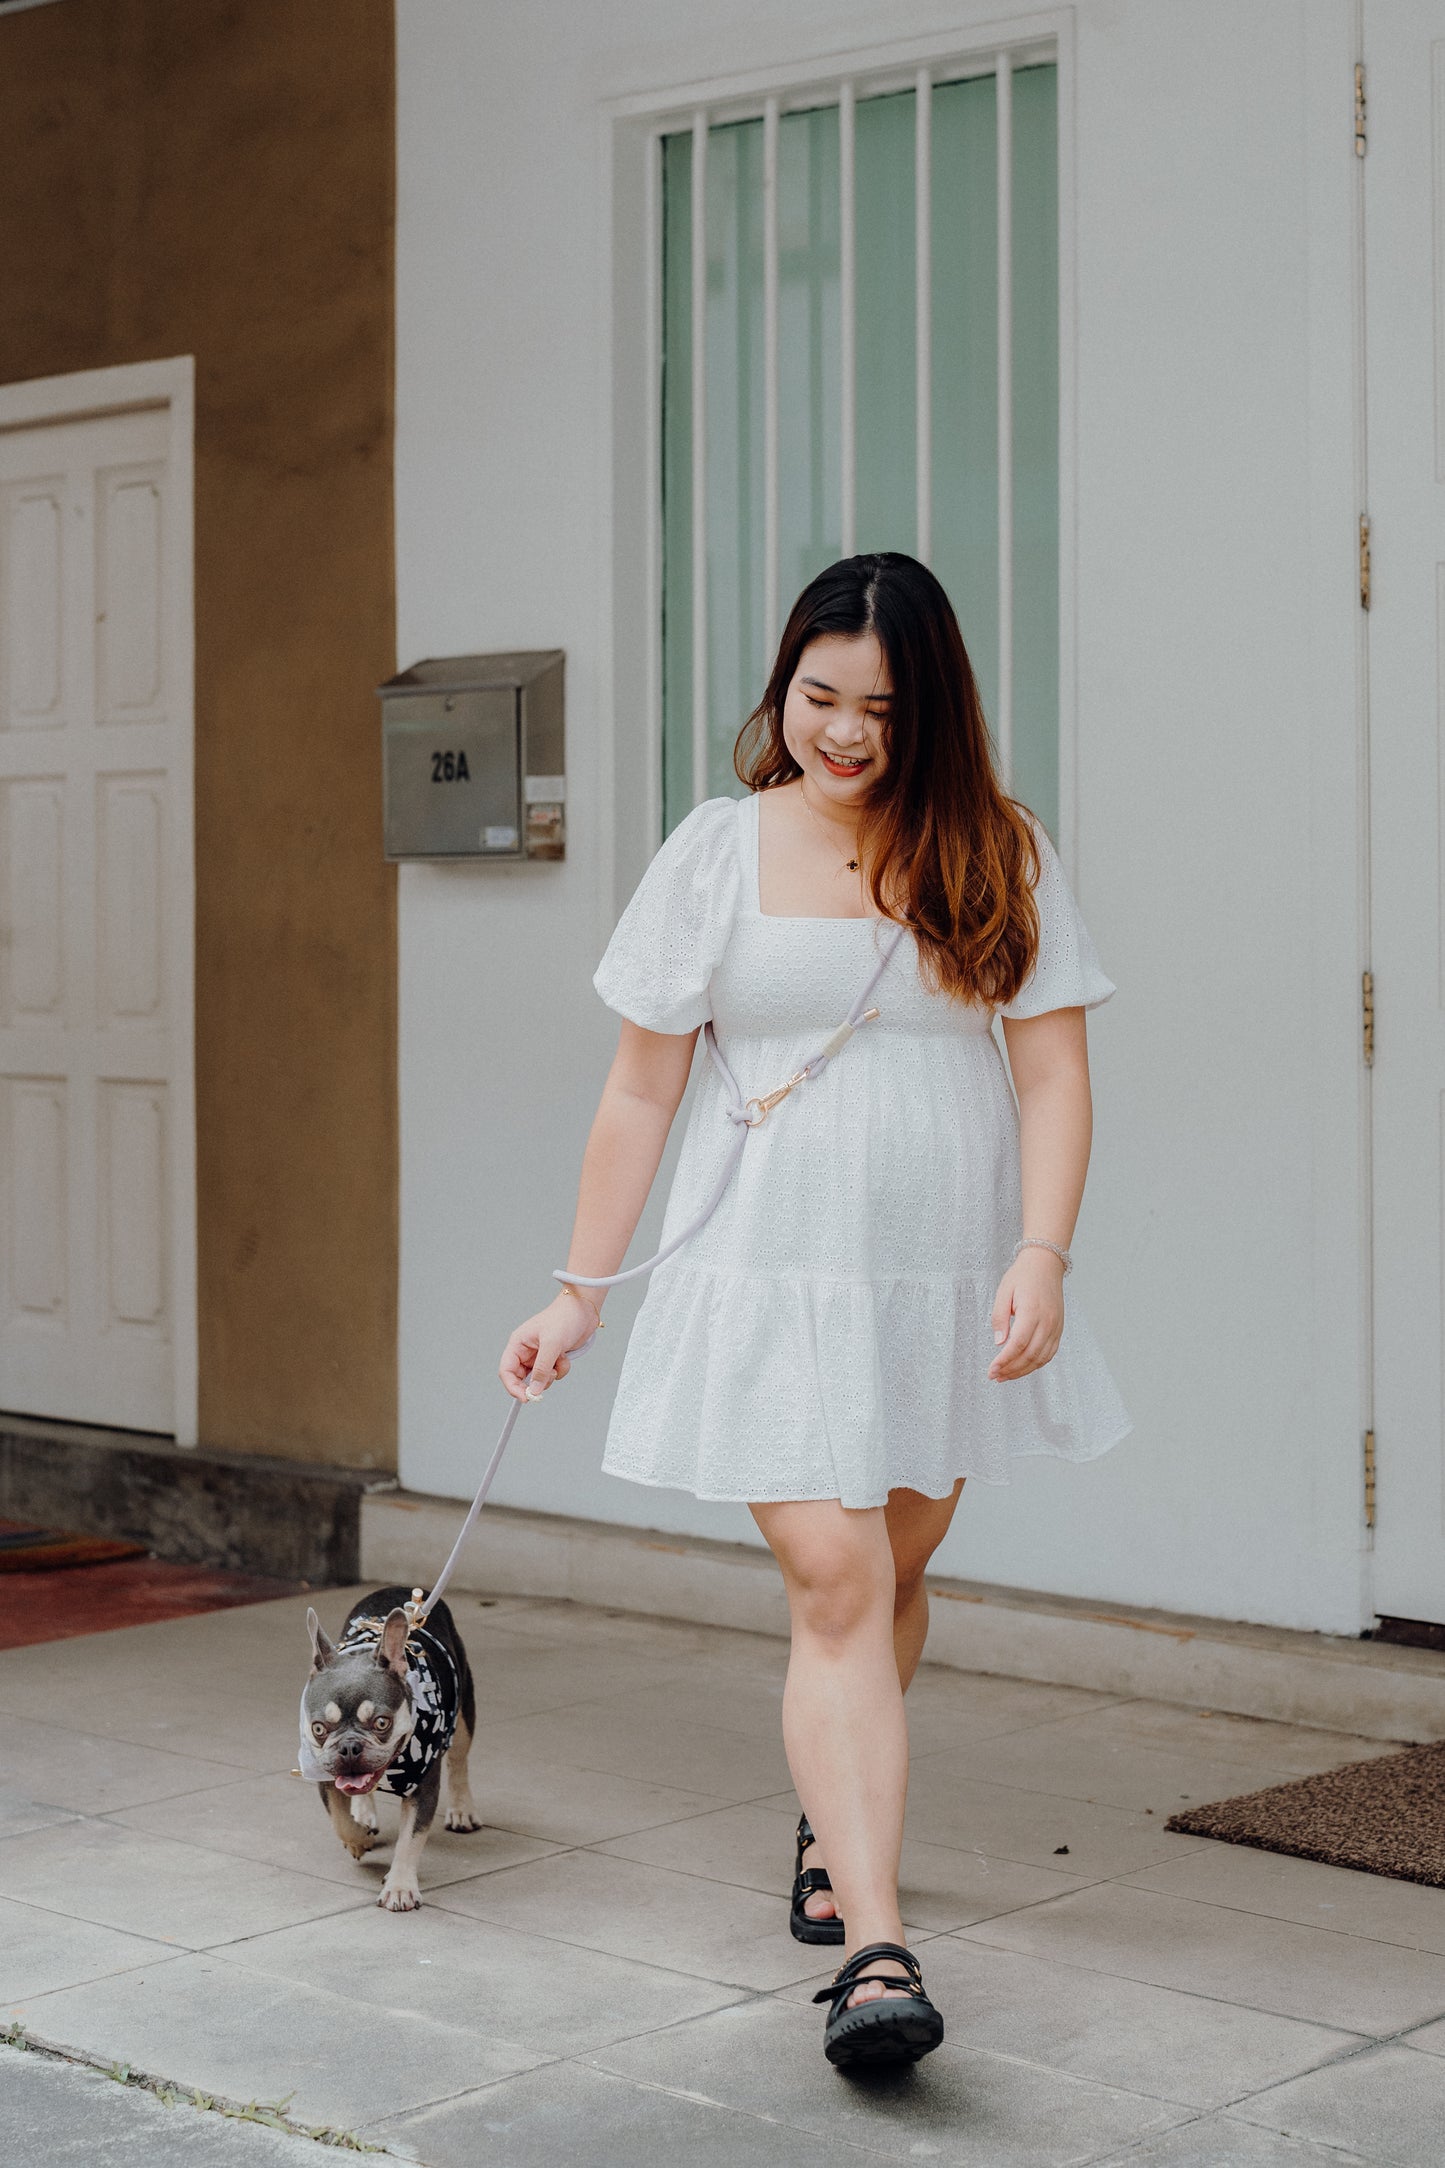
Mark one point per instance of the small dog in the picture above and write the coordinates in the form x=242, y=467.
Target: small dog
x=383, y=1708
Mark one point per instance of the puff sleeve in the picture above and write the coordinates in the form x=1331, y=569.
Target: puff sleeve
x=1067, y=973
x=656, y=968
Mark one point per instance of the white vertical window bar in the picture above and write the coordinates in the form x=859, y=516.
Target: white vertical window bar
x=652, y=218
x=847, y=321
x=699, y=459
x=770, y=381
x=923, y=305
x=1003, y=79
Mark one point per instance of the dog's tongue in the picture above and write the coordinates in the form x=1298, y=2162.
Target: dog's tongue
x=357, y=1784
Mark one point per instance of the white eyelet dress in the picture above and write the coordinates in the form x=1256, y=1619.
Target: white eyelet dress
x=827, y=1333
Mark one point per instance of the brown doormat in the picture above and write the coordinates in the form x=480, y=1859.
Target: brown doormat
x=1385, y=1816
x=44, y=1550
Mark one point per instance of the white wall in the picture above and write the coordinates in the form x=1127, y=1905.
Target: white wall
x=1220, y=1246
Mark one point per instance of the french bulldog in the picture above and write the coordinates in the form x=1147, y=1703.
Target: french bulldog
x=383, y=1708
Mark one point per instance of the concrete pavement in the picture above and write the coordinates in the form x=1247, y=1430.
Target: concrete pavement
x=604, y=1974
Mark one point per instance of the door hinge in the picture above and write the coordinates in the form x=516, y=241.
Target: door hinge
x=1359, y=109
x=1364, y=561
x=1369, y=1479
x=1367, y=1016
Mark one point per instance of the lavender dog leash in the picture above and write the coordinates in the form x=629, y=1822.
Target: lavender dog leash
x=737, y=1111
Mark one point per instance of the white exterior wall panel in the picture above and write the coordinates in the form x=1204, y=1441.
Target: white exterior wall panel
x=1214, y=784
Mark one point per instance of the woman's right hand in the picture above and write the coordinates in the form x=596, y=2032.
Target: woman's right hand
x=538, y=1350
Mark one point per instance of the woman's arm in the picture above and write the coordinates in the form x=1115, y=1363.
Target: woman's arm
x=1049, y=1058
x=642, y=1093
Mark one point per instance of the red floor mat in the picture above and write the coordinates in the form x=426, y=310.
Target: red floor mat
x=61, y=1605
x=36, y=1550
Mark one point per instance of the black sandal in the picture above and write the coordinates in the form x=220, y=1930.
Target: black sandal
x=806, y=1881
x=888, y=2029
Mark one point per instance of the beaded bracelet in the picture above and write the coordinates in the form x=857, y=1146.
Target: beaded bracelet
x=1037, y=1242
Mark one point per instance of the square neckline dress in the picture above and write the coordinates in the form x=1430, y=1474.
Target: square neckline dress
x=827, y=1333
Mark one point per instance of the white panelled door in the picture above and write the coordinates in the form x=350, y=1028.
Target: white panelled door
x=90, y=1023
x=1404, y=182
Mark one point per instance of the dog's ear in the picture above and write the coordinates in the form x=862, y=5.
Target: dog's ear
x=391, y=1648
x=322, y=1650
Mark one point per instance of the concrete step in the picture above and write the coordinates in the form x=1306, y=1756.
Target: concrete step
x=296, y=1520
x=1368, y=1687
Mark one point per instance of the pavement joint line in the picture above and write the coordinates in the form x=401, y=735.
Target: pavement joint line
x=232, y=1942
x=1082, y=1799
x=51, y=1912
x=64, y=1814
x=378, y=2123
x=726, y=2107
x=172, y=2093
x=642, y=2085
x=721, y=1881
x=677, y=1971
x=1361, y=2044
x=1279, y=1919
x=1012, y=1859
x=1115, y=2156
x=1030, y=1904
x=1042, y=1723
x=1209, y=1904
x=1327, y=2145
x=586, y=1769
x=1357, y=2043
x=1168, y=2100
x=1199, y=1994
x=119, y=1738
x=194, y=1949
x=26, y=2002
x=594, y=1949
x=111, y=1818
x=963, y=2047
x=223, y=1951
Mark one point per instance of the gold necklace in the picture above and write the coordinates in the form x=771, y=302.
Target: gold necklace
x=852, y=862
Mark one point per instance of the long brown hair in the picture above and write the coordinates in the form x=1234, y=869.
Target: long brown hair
x=946, y=849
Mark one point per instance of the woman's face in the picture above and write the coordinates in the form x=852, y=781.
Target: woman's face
x=834, y=713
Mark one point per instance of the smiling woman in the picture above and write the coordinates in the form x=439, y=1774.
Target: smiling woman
x=872, y=704
x=866, y=1306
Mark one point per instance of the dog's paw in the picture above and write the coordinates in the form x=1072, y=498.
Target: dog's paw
x=360, y=1841
x=363, y=1811
x=463, y=1820
x=399, y=1897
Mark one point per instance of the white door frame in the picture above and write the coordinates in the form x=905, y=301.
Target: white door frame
x=82, y=395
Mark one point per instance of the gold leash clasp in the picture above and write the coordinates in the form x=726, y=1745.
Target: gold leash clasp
x=772, y=1099
x=766, y=1105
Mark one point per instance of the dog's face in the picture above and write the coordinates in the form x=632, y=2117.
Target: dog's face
x=356, y=1707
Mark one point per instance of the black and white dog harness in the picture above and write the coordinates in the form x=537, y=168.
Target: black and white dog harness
x=435, y=1689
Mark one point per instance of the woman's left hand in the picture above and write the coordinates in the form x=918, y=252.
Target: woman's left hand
x=1028, y=1314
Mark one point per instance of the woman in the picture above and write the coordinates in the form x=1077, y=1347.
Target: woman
x=875, y=1309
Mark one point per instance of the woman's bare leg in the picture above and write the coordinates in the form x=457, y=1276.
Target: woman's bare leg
x=843, y=1726
x=916, y=1526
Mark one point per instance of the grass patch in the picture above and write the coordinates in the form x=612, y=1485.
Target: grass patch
x=272, y=2113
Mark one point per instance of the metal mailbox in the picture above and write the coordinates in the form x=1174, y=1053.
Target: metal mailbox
x=472, y=758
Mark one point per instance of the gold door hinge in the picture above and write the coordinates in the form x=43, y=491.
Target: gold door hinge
x=1364, y=562
x=1359, y=109
x=1367, y=1016
x=1369, y=1479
